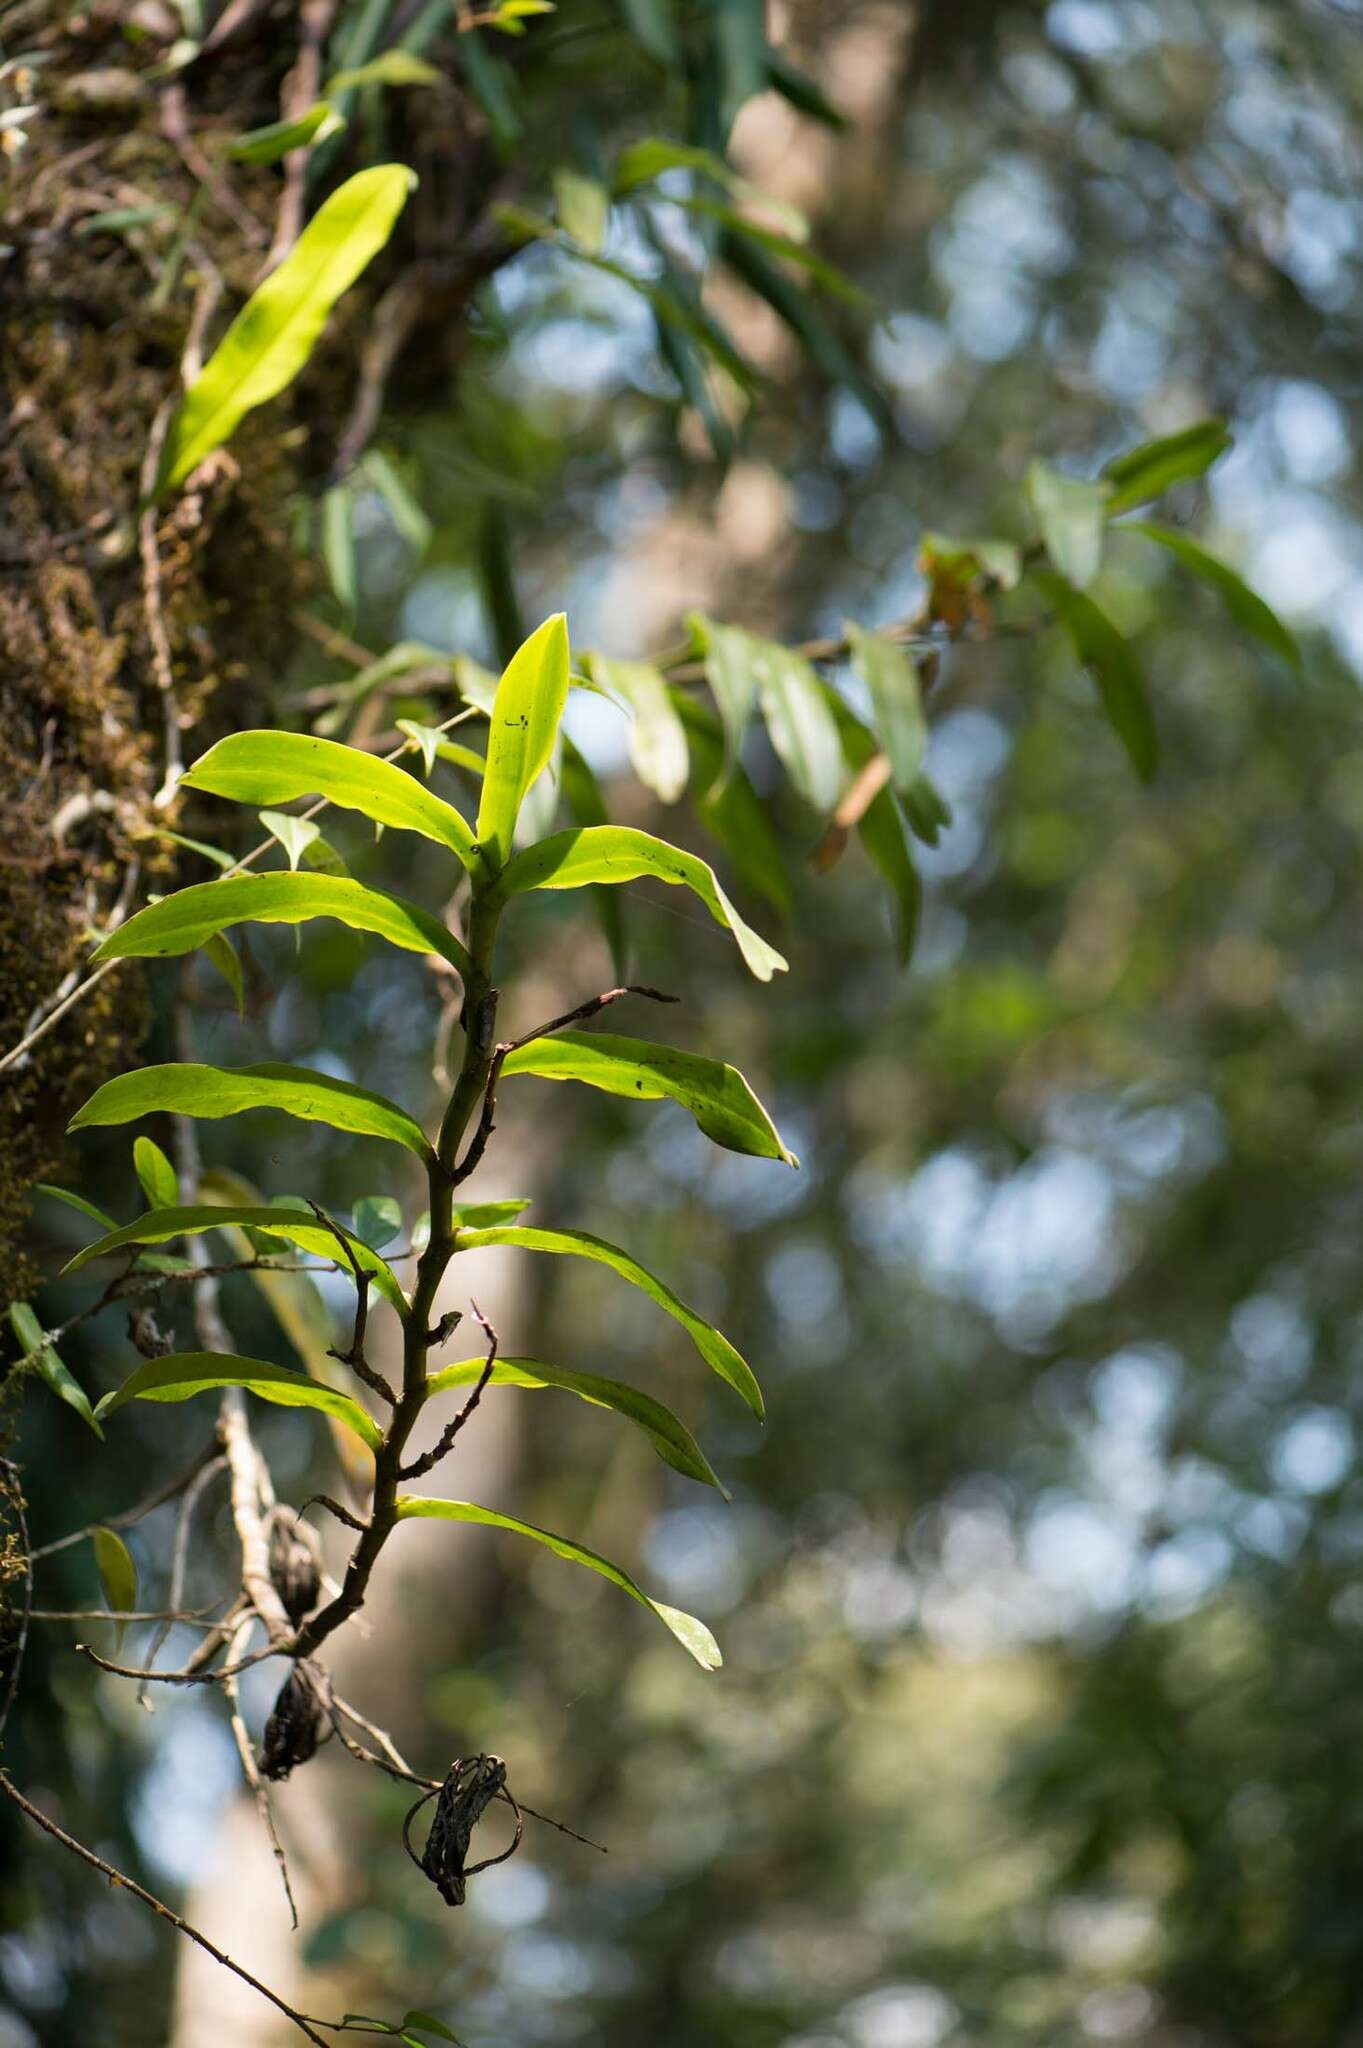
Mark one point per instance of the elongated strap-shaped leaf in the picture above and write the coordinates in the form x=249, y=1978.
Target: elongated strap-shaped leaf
x=1107, y=655
x=525, y=720
x=713, y=1346
x=730, y=674
x=36, y=1347
x=693, y=1635
x=275, y=767
x=717, y=1095
x=1245, y=606
x=301, y=1229
x=657, y=737
x=191, y=1090
x=187, y=1373
x=179, y=923
x=621, y=853
x=891, y=678
x=670, y=1438
x=881, y=830
x=1071, y=512
x=731, y=810
x=275, y=332
x=1143, y=473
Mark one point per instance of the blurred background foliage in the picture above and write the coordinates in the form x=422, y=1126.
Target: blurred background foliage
x=1039, y=1591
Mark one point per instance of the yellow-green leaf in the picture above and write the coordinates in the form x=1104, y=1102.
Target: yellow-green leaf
x=693, y=1635
x=525, y=720
x=275, y=332
x=187, y=1373
x=188, y=1089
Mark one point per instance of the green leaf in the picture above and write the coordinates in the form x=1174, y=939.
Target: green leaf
x=1109, y=658
x=338, y=544
x=690, y=1633
x=731, y=811
x=945, y=558
x=583, y=208
x=117, y=1574
x=653, y=25
x=426, y=2021
x=715, y=1348
x=672, y=1441
x=295, y=835
x=187, y=1089
x=179, y=923
x=403, y=659
x=267, y=145
x=657, y=738
x=296, y=1225
x=1071, y=512
x=525, y=719
x=799, y=723
x=393, y=67
x=620, y=853
x=160, y=1181
x=729, y=671
x=275, y=767
x=717, y=1095
x=1143, y=473
x=73, y=1201
x=644, y=161
x=378, y=1220
x=222, y=861
x=482, y=1215
x=891, y=678
x=1245, y=606
x=404, y=508
x=275, y=332
x=187, y=1373
x=34, y=1342
x=790, y=248
x=223, y=954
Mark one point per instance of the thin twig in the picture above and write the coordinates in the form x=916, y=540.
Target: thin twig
x=252, y=1775
x=445, y=1442
x=164, y=1912
x=184, y=1522
x=355, y=1357
x=186, y=1676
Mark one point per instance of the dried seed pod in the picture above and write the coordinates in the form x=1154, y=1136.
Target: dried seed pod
x=294, y=1727
x=295, y=1563
x=461, y=1802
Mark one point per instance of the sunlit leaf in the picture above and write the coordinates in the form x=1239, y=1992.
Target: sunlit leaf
x=644, y=161
x=670, y=1438
x=799, y=724
x=187, y=1373
x=482, y=1215
x=717, y=1095
x=1109, y=659
x=295, y=835
x=1070, y=512
x=881, y=831
x=179, y=923
x=732, y=678
x=525, y=720
x=33, y=1341
x=275, y=767
x=160, y=1182
x=275, y=332
x=620, y=853
x=295, y=1226
x=1245, y=606
x=657, y=738
x=690, y=1633
x=187, y=1089
x=1143, y=473
x=715, y=1348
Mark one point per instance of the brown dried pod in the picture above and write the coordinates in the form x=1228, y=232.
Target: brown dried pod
x=295, y=1563
x=294, y=1727
x=473, y=1783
